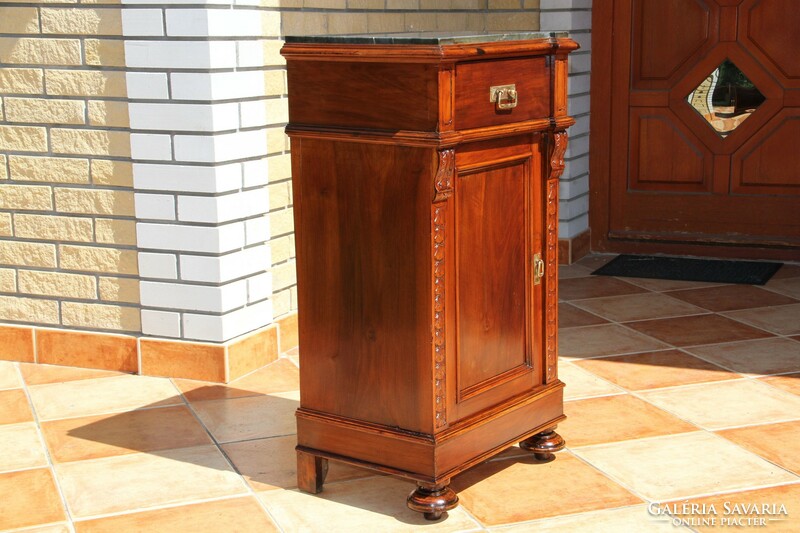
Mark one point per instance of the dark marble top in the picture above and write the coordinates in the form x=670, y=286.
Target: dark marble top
x=451, y=37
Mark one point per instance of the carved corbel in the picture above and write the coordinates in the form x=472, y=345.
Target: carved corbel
x=558, y=149
x=443, y=183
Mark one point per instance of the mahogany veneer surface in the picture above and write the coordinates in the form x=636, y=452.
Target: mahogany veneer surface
x=424, y=215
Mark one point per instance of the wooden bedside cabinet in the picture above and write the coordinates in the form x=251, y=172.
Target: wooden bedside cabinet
x=425, y=171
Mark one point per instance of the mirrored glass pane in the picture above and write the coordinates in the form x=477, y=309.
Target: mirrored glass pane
x=726, y=98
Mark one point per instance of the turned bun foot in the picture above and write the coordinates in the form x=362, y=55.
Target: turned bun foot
x=544, y=444
x=432, y=500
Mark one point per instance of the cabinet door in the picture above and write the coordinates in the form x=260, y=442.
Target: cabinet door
x=497, y=231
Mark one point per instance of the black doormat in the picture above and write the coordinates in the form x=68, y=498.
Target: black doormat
x=685, y=269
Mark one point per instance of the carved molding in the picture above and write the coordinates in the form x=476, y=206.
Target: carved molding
x=439, y=353
x=559, y=148
x=443, y=183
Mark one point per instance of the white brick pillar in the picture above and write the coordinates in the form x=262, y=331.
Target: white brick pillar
x=199, y=143
x=574, y=16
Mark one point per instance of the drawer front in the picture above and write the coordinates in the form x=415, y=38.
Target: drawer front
x=353, y=95
x=530, y=77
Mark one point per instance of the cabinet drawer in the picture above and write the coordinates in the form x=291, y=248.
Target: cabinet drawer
x=473, y=108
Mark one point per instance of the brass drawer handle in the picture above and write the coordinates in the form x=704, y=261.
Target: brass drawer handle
x=503, y=96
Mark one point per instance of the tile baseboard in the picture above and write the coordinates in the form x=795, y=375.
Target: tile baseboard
x=571, y=250
x=150, y=356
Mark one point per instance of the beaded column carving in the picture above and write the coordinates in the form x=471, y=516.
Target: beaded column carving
x=443, y=185
x=558, y=148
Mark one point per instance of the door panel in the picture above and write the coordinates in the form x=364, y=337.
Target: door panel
x=491, y=243
x=497, y=228
x=659, y=50
x=769, y=30
x=768, y=164
x=666, y=179
x=665, y=158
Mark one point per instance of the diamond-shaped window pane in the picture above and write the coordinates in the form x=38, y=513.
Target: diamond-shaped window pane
x=726, y=98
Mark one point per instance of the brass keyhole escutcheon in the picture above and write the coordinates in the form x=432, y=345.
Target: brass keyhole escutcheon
x=538, y=269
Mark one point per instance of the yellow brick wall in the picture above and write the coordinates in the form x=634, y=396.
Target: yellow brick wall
x=67, y=228
x=321, y=17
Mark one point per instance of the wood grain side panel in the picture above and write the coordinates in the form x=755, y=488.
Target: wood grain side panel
x=381, y=96
x=362, y=219
x=473, y=80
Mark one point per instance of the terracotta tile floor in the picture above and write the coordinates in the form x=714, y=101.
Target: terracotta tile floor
x=676, y=392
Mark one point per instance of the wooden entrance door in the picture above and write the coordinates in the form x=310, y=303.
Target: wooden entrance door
x=664, y=180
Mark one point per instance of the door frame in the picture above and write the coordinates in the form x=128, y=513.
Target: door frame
x=602, y=124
